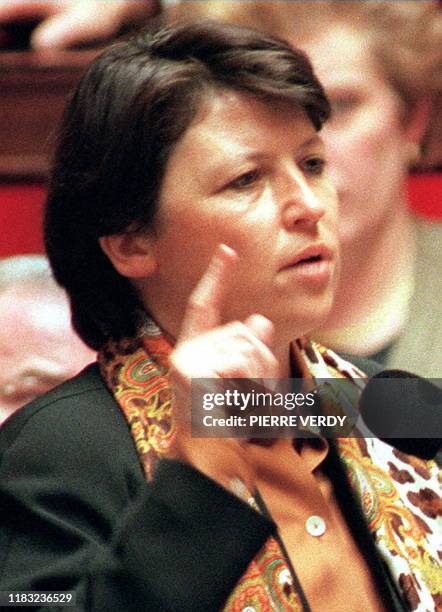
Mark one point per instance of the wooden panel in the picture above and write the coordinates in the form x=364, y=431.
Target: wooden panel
x=33, y=91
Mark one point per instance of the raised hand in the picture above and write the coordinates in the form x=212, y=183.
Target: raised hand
x=207, y=348
x=69, y=22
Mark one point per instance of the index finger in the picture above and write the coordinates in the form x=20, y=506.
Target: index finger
x=203, y=311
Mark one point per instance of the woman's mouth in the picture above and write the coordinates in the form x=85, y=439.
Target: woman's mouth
x=314, y=263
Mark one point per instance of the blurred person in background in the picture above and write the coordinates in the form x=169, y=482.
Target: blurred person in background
x=38, y=347
x=380, y=63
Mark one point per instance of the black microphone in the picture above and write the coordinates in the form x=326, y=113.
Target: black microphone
x=404, y=410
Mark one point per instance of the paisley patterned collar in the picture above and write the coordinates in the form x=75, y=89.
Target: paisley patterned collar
x=398, y=493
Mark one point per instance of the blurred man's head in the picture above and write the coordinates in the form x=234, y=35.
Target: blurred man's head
x=38, y=347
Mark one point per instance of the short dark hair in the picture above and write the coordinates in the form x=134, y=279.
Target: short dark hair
x=133, y=104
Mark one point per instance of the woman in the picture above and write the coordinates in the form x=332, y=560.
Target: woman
x=380, y=65
x=185, y=157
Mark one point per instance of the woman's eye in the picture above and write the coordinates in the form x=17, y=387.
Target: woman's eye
x=314, y=165
x=244, y=180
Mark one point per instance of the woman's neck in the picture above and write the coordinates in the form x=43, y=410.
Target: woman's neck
x=375, y=287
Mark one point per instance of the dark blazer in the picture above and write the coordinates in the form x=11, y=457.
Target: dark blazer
x=77, y=514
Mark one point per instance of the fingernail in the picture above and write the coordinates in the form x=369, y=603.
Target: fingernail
x=224, y=248
x=48, y=37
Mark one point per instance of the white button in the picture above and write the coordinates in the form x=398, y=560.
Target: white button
x=315, y=526
x=285, y=577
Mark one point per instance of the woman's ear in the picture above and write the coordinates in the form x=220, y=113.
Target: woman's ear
x=415, y=127
x=130, y=253
x=417, y=121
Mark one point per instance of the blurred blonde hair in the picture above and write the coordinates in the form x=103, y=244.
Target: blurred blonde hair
x=406, y=38
x=406, y=34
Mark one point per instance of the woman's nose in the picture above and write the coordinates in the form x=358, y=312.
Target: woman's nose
x=300, y=203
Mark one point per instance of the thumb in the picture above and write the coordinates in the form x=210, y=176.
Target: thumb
x=56, y=32
x=72, y=27
x=262, y=327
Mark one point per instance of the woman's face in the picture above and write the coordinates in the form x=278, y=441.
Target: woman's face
x=365, y=139
x=250, y=175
